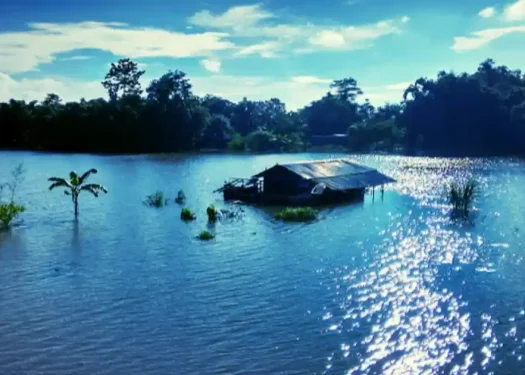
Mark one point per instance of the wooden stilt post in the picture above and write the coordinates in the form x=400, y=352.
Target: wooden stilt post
x=373, y=193
x=382, y=193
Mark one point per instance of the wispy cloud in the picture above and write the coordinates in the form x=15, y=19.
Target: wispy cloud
x=211, y=65
x=487, y=12
x=271, y=35
x=481, y=38
x=234, y=18
x=266, y=49
x=311, y=80
x=515, y=11
x=352, y=37
x=76, y=58
x=26, y=50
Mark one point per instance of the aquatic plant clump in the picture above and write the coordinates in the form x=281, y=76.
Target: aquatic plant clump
x=181, y=197
x=187, y=215
x=206, y=236
x=297, y=214
x=461, y=195
x=212, y=213
x=9, y=212
x=156, y=200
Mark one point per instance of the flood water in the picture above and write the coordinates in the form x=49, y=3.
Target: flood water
x=383, y=287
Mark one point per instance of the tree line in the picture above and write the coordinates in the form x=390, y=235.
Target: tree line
x=482, y=113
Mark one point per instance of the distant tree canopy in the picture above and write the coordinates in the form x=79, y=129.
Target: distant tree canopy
x=482, y=113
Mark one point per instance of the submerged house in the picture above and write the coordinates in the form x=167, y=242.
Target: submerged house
x=308, y=182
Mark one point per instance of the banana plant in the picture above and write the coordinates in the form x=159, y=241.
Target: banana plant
x=76, y=184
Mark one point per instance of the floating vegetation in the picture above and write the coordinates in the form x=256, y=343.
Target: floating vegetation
x=181, y=197
x=212, y=213
x=156, y=200
x=206, y=236
x=9, y=212
x=297, y=214
x=461, y=196
x=187, y=215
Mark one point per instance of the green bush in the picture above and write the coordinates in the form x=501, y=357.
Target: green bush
x=261, y=140
x=9, y=212
x=187, y=215
x=462, y=195
x=297, y=214
x=156, y=200
x=212, y=213
x=181, y=197
x=237, y=143
x=206, y=236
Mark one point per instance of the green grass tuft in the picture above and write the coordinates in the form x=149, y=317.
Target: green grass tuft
x=187, y=215
x=156, y=200
x=206, y=236
x=297, y=214
x=9, y=212
x=461, y=195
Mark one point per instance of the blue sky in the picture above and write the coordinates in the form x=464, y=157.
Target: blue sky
x=274, y=48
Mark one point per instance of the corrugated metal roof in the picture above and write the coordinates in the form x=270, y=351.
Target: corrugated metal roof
x=337, y=174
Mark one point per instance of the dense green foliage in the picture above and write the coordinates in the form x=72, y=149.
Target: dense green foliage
x=206, y=235
x=297, y=214
x=77, y=184
x=187, y=215
x=482, y=113
x=156, y=200
x=461, y=196
x=10, y=210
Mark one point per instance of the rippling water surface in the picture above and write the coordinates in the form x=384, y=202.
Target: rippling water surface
x=392, y=287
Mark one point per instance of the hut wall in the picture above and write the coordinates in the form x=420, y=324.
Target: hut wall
x=280, y=181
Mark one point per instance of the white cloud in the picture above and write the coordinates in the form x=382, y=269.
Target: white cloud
x=235, y=17
x=26, y=50
x=311, y=80
x=76, y=58
x=515, y=11
x=483, y=37
x=328, y=39
x=266, y=49
x=405, y=19
x=487, y=12
x=211, y=65
x=352, y=37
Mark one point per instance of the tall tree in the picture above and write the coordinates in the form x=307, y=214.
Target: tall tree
x=346, y=89
x=123, y=78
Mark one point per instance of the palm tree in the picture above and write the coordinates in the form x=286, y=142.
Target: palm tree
x=75, y=185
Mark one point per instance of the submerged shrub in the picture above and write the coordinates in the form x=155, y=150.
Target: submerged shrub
x=181, y=197
x=9, y=212
x=297, y=214
x=187, y=215
x=156, y=200
x=206, y=236
x=462, y=195
x=212, y=213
